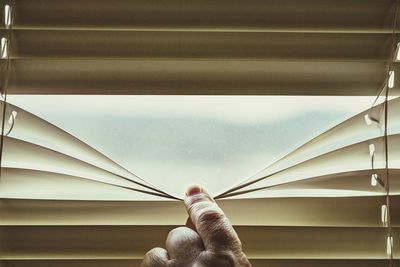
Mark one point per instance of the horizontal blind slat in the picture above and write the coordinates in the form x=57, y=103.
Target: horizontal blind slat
x=343, y=15
x=194, y=77
x=346, y=211
x=70, y=44
x=136, y=263
x=131, y=242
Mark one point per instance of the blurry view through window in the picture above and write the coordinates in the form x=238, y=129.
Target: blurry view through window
x=175, y=141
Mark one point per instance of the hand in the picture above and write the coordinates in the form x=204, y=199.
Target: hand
x=208, y=240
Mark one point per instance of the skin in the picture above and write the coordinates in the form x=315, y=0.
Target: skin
x=207, y=240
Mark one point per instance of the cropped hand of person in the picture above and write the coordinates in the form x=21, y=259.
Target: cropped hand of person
x=208, y=240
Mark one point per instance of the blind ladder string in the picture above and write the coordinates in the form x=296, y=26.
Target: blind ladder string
x=389, y=85
x=8, y=22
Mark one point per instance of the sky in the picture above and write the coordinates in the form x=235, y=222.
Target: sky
x=176, y=141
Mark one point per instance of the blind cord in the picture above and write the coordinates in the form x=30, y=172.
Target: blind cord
x=389, y=242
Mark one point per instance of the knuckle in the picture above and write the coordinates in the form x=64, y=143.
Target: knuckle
x=202, y=197
x=181, y=236
x=154, y=258
x=176, y=231
x=222, y=259
x=154, y=251
x=210, y=216
x=206, y=213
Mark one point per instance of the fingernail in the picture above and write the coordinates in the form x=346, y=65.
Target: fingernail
x=193, y=190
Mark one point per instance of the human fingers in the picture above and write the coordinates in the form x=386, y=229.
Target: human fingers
x=157, y=257
x=184, y=244
x=210, y=222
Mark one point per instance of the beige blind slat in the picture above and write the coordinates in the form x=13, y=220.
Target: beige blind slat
x=254, y=262
x=33, y=129
x=357, y=181
x=87, y=44
x=26, y=183
x=25, y=155
x=346, y=211
x=192, y=47
x=353, y=157
x=287, y=15
x=194, y=77
x=346, y=133
x=118, y=242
